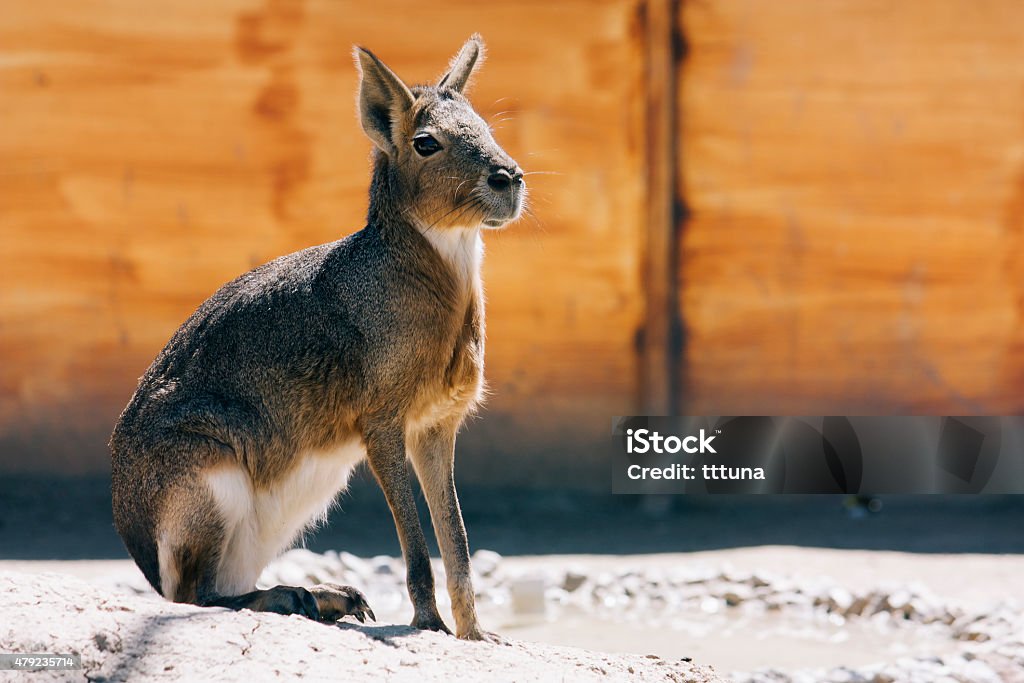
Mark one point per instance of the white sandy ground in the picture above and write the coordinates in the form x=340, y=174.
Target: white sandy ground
x=127, y=637
x=123, y=637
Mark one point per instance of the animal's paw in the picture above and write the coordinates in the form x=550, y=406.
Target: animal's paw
x=335, y=601
x=430, y=622
x=477, y=633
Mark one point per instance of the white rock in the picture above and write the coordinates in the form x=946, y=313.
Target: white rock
x=840, y=599
x=356, y=565
x=290, y=573
x=486, y=562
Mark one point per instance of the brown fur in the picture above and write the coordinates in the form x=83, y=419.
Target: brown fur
x=245, y=426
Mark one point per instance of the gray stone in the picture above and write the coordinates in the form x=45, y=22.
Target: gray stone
x=573, y=580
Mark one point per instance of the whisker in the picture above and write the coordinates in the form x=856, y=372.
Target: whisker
x=474, y=209
x=472, y=198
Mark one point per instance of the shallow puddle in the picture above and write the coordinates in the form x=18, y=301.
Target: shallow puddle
x=731, y=639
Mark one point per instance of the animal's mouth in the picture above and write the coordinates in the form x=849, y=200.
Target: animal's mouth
x=509, y=210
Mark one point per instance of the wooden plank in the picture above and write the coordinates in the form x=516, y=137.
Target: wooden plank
x=150, y=156
x=658, y=342
x=855, y=171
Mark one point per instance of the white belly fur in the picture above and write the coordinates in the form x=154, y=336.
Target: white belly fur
x=260, y=524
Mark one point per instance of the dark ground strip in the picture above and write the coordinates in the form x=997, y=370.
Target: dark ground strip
x=70, y=518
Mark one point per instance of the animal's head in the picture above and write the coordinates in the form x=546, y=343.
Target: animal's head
x=442, y=162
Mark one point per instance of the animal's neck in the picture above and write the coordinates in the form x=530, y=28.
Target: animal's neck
x=384, y=207
x=460, y=248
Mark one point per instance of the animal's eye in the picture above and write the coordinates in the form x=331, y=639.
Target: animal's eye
x=425, y=145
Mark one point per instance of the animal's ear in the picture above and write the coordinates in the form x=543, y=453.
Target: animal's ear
x=383, y=97
x=463, y=64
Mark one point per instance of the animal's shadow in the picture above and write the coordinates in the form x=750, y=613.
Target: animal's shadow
x=384, y=633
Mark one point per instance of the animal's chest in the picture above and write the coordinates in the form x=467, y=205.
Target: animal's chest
x=456, y=383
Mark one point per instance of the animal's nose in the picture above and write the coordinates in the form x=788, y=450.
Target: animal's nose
x=502, y=179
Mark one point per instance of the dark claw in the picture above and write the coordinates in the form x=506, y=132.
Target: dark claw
x=369, y=612
x=430, y=623
x=340, y=601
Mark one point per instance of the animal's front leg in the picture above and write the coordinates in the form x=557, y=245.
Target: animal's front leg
x=385, y=451
x=433, y=455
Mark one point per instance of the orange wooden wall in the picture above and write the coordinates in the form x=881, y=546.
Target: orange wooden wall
x=855, y=174
x=152, y=151
x=852, y=173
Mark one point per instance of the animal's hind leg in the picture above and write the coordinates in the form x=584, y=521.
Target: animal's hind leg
x=191, y=540
x=326, y=602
